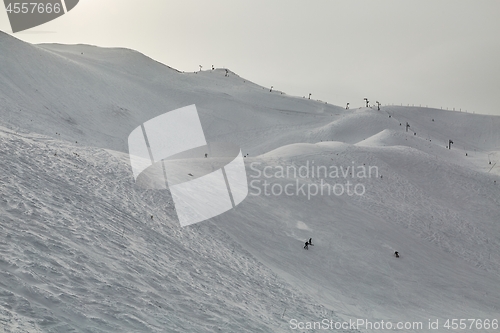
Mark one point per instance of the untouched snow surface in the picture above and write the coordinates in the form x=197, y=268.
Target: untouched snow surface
x=79, y=251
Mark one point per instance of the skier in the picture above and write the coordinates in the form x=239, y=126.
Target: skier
x=306, y=246
x=310, y=241
x=396, y=254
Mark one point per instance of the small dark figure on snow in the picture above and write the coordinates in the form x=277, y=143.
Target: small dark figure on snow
x=310, y=241
x=306, y=247
x=396, y=254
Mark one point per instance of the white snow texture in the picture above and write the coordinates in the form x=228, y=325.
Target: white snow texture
x=83, y=249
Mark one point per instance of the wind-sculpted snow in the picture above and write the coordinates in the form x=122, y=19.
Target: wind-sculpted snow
x=83, y=249
x=80, y=252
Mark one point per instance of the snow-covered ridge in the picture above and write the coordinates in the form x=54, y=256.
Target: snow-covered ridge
x=79, y=250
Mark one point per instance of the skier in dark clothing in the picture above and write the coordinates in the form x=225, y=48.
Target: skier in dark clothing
x=306, y=247
x=310, y=241
x=396, y=254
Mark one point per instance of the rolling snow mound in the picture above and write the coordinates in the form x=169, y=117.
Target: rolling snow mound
x=83, y=249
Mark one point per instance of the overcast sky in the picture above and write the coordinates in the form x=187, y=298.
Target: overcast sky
x=441, y=53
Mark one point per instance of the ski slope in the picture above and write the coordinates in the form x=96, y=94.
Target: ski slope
x=80, y=252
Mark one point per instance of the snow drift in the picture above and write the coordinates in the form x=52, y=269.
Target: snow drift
x=83, y=249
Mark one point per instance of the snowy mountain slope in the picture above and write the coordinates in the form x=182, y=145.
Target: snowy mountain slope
x=97, y=95
x=80, y=250
x=446, y=229
x=100, y=102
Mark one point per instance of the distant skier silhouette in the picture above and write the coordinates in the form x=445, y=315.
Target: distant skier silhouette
x=396, y=254
x=308, y=242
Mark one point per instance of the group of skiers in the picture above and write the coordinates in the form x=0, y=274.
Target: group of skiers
x=309, y=242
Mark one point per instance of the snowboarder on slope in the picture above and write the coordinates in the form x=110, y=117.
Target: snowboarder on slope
x=396, y=254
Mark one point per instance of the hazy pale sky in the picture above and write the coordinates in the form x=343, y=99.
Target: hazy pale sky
x=441, y=53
